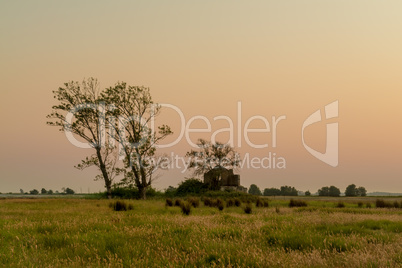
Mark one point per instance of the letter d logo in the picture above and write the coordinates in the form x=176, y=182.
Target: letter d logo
x=330, y=156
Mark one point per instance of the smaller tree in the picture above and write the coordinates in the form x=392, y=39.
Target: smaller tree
x=324, y=191
x=69, y=191
x=361, y=191
x=334, y=191
x=50, y=192
x=34, y=191
x=351, y=190
x=43, y=191
x=329, y=191
x=272, y=192
x=254, y=190
x=288, y=191
x=21, y=191
x=307, y=193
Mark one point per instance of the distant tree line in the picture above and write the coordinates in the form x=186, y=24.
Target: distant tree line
x=196, y=186
x=284, y=191
x=351, y=190
x=49, y=192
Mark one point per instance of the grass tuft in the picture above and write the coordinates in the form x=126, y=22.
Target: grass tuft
x=169, y=202
x=194, y=201
x=237, y=202
x=297, y=203
x=178, y=203
x=120, y=205
x=248, y=209
x=185, y=208
x=340, y=205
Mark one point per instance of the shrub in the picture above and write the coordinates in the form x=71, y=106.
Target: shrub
x=340, y=205
x=194, y=201
x=230, y=203
x=368, y=205
x=120, y=205
x=248, y=209
x=178, y=202
x=170, y=191
x=379, y=203
x=259, y=203
x=191, y=186
x=220, y=206
x=213, y=203
x=360, y=204
x=237, y=202
x=219, y=202
x=396, y=204
x=169, y=202
x=185, y=208
x=266, y=204
x=131, y=192
x=207, y=202
x=297, y=203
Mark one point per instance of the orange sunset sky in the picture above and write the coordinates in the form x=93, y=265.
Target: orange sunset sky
x=276, y=58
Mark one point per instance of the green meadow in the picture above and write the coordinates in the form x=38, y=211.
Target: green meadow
x=89, y=233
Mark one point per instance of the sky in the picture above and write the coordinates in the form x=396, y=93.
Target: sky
x=208, y=58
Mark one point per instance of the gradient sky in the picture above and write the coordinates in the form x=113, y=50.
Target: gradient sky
x=275, y=57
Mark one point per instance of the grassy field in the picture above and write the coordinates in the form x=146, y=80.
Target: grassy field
x=80, y=232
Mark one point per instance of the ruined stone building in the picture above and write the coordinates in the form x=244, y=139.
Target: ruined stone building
x=227, y=180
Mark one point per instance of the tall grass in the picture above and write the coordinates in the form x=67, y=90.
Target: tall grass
x=87, y=233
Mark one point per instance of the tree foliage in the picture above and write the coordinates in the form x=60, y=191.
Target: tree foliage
x=272, y=192
x=329, y=191
x=34, y=192
x=129, y=120
x=191, y=186
x=352, y=190
x=101, y=117
x=288, y=191
x=69, y=191
x=254, y=190
x=83, y=100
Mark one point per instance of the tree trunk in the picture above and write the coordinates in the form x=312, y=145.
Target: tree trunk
x=143, y=192
x=102, y=167
x=109, y=191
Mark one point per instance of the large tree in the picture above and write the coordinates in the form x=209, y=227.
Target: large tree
x=329, y=191
x=334, y=191
x=351, y=190
x=254, y=190
x=129, y=121
x=82, y=100
x=213, y=156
